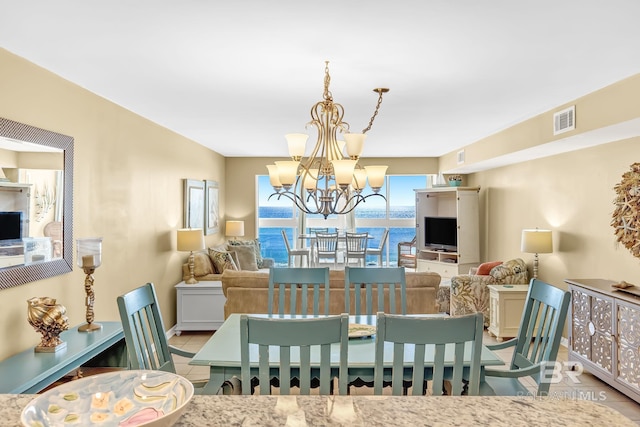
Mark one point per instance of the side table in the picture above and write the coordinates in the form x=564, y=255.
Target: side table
x=506, y=303
x=200, y=307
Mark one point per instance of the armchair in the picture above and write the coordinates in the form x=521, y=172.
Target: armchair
x=470, y=292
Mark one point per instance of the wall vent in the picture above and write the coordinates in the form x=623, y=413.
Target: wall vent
x=460, y=157
x=565, y=120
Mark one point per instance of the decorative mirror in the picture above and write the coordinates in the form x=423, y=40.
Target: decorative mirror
x=36, y=203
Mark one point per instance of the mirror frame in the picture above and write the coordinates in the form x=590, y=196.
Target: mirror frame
x=21, y=274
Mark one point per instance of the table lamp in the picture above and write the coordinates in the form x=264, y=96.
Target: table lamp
x=536, y=242
x=189, y=240
x=89, y=257
x=235, y=229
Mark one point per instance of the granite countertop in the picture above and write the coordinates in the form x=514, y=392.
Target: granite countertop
x=368, y=411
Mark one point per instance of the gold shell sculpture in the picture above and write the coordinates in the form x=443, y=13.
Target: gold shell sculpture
x=49, y=319
x=626, y=216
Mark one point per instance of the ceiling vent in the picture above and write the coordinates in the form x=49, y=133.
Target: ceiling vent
x=565, y=120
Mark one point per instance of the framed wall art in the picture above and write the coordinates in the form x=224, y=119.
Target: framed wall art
x=212, y=214
x=194, y=203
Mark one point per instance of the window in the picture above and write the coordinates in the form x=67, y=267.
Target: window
x=375, y=214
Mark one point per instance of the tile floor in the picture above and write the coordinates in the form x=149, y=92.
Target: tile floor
x=589, y=387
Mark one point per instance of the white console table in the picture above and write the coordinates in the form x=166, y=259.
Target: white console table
x=200, y=307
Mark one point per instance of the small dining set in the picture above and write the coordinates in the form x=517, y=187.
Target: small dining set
x=335, y=247
x=298, y=345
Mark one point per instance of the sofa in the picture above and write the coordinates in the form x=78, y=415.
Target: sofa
x=246, y=292
x=470, y=292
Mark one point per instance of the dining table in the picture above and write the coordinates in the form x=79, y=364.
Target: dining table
x=311, y=238
x=221, y=353
x=373, y=411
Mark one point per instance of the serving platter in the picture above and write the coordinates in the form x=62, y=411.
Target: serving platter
x=122, y=398
x=358, y=330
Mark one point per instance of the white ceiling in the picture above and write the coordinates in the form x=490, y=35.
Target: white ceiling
x=236, y=76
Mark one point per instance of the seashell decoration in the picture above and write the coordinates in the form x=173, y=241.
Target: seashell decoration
x=626, y=216
x=49, y=319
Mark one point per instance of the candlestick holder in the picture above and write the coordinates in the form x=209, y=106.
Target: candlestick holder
x=89, y=258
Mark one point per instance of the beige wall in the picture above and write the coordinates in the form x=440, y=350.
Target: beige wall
x=127, y=189
x=571, y=194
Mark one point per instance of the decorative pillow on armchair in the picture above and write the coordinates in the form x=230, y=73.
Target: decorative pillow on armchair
x=485, y=268
x=221, y=260
x=255, y=244
x=512, y=271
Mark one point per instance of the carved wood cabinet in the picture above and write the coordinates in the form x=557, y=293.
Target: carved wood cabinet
x=604, y=333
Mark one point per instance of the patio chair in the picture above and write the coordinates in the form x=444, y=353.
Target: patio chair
x=326, y=248
x=146, y=340
x=379, y=250
x=388, y=285
x=536, y=345
x=407, y=253
x=308, y=281
x=423, y=334
x=303, y=253
x=356, y=247
x=293, y=336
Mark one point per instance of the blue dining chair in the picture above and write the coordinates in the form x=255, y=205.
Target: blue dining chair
x=326, y=247
x=311, y=283
x=387, y=284
x=536, y=345
x=146, y=340
x=428, y=334
x=310, y=338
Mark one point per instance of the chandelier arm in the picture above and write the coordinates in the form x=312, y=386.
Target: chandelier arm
x=380, y=91
x=361, y=200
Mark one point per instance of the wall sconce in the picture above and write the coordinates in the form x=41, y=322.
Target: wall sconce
x=536, y=242
x=89, y=257
x=234, y=229
x=189, y=240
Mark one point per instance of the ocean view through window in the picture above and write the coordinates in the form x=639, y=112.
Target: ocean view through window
x=397, y=213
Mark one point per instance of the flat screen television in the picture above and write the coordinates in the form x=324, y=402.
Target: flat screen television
x=441, y=233
x=10, y=226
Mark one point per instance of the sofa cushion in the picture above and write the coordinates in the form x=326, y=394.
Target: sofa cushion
x=245, y=257
x=202, y=264
x=485, y=268
x=255, y=244
x=221, y=260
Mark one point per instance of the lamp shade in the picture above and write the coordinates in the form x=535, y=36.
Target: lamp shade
x=190, y=239
x=235, y=228
x=536, y=241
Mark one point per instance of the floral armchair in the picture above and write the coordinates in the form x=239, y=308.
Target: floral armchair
x=470, y=292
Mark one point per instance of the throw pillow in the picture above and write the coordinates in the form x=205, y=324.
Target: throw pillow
x=202, y=264
x=485, y=268
x=255, y=244
x=246, y=257
x=221, y=260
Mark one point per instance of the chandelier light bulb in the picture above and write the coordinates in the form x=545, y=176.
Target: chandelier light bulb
x=343, y=170
x=296, y=143
x=359, y=179
x=355, y=144
x=274, y=177
x=376, y=176
x=287, y=171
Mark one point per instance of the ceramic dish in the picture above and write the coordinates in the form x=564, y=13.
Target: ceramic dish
x=122, y=398
x=357, y=330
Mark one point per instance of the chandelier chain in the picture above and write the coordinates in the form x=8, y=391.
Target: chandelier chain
x=327, y=80
x=375, y=113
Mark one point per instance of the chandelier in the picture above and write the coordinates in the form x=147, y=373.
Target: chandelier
x=328, y=181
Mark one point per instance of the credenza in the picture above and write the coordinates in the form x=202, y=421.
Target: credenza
x=604, y=333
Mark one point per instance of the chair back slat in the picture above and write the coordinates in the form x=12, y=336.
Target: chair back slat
x=424, y=334
x=303, y=338
x=289, y=282
x=147, y=346
x=389, y=283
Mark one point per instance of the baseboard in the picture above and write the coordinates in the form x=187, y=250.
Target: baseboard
x=171, y=332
